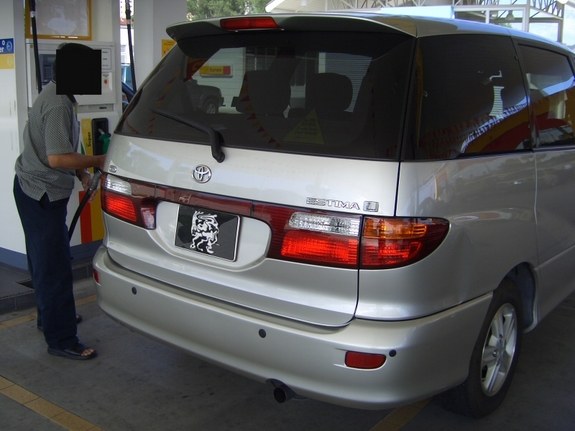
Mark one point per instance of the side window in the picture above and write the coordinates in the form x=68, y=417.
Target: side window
x=552, y=91
x=470, y=97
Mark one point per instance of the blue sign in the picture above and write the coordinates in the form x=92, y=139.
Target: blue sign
x=6, y=46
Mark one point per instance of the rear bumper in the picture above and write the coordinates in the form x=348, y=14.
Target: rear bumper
x=424, y=356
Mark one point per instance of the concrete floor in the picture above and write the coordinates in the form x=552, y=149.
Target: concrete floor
x=140, y=384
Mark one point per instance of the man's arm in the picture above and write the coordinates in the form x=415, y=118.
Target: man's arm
x=75, y=161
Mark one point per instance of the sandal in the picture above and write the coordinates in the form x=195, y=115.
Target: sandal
x=79, y=352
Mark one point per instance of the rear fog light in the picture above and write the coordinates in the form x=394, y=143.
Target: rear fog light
x=364, y=361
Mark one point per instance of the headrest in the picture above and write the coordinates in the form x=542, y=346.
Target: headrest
x=328, y=92
x=263, y=93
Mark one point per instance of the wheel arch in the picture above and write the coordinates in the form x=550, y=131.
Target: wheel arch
x=523, y=277
x=498, y=343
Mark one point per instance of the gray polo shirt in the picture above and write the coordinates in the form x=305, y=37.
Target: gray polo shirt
x=52, y=128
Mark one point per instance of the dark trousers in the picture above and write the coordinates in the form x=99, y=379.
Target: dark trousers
x=48, y=251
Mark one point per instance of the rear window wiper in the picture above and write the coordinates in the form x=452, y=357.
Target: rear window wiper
x=215, y=137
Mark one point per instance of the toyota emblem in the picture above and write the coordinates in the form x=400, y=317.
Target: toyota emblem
x=202, y=174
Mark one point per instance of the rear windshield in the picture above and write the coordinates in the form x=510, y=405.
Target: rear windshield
x=312, y=93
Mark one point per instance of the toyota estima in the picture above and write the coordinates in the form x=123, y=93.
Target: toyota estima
x=375, y=215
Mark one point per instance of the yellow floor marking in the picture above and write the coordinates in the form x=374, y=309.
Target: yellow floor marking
x=400, y=417
x=85, y=300
x=30, y=400
x=394, y=421
x=17, y=321
x=32, y=316
x=45, y=408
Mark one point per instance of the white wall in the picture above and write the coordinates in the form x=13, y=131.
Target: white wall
x=12, y=118
x=151, y=17
x=13, y=111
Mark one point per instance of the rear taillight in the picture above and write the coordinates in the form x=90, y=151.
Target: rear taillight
x=320, y=248
x=119, y=201
x=96, y=276
x=311, y=237
x=392, y=242
x=297, y=234
x=322, y=239
x=350, y=241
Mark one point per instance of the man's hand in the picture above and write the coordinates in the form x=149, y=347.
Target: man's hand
x=85, y=178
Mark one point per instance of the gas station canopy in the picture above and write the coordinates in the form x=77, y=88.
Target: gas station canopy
x=519, y=14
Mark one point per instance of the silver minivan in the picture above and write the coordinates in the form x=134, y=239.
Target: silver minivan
x=375, y=215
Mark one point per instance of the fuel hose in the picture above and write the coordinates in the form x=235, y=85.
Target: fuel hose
x=94, y=182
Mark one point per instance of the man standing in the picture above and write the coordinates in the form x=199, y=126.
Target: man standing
x=43, y=184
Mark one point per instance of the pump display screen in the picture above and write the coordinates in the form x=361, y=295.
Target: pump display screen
x=79, y=71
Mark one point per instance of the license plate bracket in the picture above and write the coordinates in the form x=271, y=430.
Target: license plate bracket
x=208, y=232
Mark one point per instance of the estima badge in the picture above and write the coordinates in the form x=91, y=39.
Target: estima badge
x=202, y=174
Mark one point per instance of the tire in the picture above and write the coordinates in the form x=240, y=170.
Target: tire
x=494, y=357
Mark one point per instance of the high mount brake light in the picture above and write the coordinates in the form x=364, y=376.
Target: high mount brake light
x=249, y=23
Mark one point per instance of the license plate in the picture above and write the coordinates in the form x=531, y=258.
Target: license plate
x=208, y=232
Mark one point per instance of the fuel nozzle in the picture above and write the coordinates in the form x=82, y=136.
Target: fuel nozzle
x=104, y=141
x=94, y=182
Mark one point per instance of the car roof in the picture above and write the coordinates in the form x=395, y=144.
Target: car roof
x=415, y=26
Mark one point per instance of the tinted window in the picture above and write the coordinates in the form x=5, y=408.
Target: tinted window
x=552, y=91
x=470, y=98
x=316, y=93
